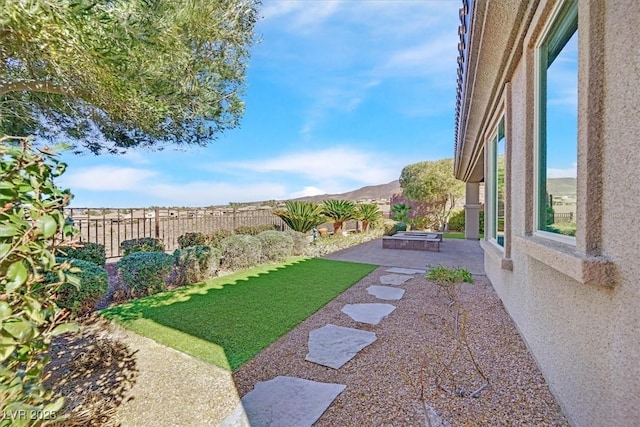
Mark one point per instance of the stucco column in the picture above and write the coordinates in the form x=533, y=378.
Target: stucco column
x=472, y=211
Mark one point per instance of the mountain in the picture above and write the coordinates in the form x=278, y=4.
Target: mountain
x=561, y=186
x=382, y=191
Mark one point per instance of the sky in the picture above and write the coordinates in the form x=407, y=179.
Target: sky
x=340, y=95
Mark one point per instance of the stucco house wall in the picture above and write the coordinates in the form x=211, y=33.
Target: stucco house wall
x=576, y=306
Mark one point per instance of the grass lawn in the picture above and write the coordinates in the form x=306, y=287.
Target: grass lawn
x=228, y=320
x=458, y=235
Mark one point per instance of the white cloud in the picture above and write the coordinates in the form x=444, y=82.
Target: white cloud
x=214, y=193
x=306, y=192
x=571, y=172
x=336, y=163
x=433, y=57
x=106, y=178
x=301, y=15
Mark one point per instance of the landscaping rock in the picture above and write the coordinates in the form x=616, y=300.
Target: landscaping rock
x=368, y=313
x=385, y=292
x=333, y=346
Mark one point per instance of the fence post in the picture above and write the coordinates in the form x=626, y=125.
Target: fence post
x=156, y=217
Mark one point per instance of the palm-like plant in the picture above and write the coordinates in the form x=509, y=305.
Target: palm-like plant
x=301, y=216
x=401, y=212
x=339, y=211
x=368, y=213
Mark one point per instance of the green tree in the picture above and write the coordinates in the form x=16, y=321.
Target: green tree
x=31, y=225
x=112, y=75
x=301, y=216
x=433, y=183
x=339, y=211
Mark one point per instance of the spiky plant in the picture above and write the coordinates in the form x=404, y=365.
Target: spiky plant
x=368, y=213
x=339, y=211
x=301, y=216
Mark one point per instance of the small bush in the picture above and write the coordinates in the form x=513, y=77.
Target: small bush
x=196, y=263
x=145, y=273
x=92, y=252
x=93, y=286
x=215, y=239
x=456, y=221
x=145, y=244
x=254, y=230
x=276, y=245
x=400, y=226
x=300, y=242
x=241, y=251
x=191, y=239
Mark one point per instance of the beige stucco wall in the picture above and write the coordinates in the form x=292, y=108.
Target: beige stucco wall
x=585, y=337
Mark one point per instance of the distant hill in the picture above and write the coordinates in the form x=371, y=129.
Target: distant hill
x=561, y=186
x=382, y=191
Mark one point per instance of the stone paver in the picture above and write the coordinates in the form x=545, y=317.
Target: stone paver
x=385, y=292
x=333, y=346
x=284, y=401
x=394, y=279
x=410, y=271
x=368, y=313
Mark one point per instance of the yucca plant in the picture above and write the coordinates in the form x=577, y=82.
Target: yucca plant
x=368, y=213
x=339, y=211
x=301, y=216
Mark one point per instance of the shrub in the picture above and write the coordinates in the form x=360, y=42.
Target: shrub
x=196, y=263
x=301, y=216
x=92, y=252
x=215, y=238
x=339, y=211
x=300, y=242
x=254, y=230
x=145, y=273
x=192, y=239
x=400, y=226
x=145, y=244
x=276, y=245
x=241, y=251
x=328, y=244
x=93, y=284
x=456, y=221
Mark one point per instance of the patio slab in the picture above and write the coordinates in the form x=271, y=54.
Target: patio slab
x=333, y=346
x=385, y=292
x=394, y=279
x=283, y=401
x=368, y=313
x=410, y=271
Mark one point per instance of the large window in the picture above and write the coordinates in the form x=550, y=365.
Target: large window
x=558, y=125
x=498, y=199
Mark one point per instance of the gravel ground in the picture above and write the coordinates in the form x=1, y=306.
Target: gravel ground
x=395, y=380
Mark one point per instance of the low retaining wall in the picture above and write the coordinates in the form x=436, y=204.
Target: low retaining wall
x=413, y=241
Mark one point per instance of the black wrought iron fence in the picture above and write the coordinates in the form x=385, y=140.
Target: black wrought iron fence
x=109, y=227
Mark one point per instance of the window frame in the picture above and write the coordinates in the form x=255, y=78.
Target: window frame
x=562, y=26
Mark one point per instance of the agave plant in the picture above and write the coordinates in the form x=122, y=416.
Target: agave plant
x=368, y=213
x=301, y=216
x=339, y=211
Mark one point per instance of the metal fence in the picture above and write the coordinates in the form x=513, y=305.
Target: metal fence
x=563, y=217
x=110, y=227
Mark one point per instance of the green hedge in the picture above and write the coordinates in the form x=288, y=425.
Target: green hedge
x=92, y=252
x=192, y=239
x=254, y=230
x=300, y=242
x=196, y=263
x=94, y=282
x=145, y=244
x=145, y=273
x=276, y=245
x=241, y=251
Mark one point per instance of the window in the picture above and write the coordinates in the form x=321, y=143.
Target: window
x=558, y=127
x=497, y=173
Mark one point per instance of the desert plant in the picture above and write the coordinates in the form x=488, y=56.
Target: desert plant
x=255, y=229
x=339, y=211
x=144, y=244
x=93, y=283
x=400, y=212
x=300, y=242
x=301, y=216
x=196, y=263
x=145, y=273
x=31, y=224
x=241, y=251
x=214, y=239
x=92, y=252
x=276, y=245
x=191, y=239
x=368, y=213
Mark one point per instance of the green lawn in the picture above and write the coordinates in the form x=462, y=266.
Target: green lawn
x=457, y=235
x=228, y=320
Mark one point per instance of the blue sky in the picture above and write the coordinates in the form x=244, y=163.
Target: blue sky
x=340, y=94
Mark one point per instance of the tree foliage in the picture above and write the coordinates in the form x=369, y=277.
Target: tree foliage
x=301, y=216
x=339, y=211
x=31, y=225
x=433, y=183
x=124, y=73
x=368, y=213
